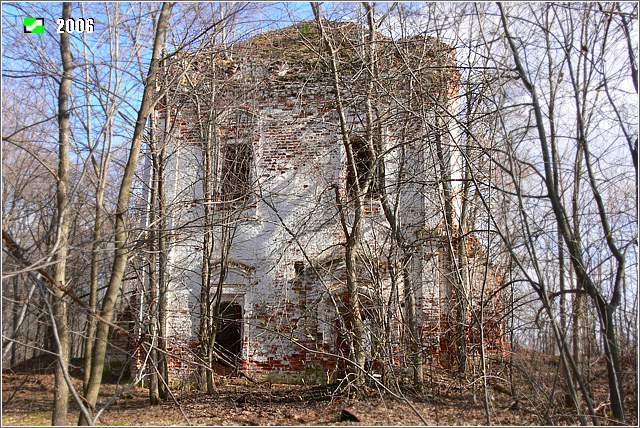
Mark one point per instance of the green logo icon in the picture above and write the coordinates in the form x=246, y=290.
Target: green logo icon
x=33, y=25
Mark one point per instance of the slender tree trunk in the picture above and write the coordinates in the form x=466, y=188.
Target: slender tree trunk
x=571, y=237
x=613, y=360
x=214, y=306
x=93, y=282
x=354, y=315
x=95, y=245
x=95, y=261
x=207, y=321
x=462, y=296
x=18, y=318
x=122, y=207
x=576, y=320
x=563, y=305
x=100, y=167
x=415, y=342
x=205, y=278
x=205, y=270
x=163, y=284
x=7, y=345
x=152, y=366
x=353, y=236
x=454, y=268
x=61, y=393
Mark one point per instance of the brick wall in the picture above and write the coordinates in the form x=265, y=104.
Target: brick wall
x=291, y=308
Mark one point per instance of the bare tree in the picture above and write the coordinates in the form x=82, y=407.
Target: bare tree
x=61, y=397
x=121, y=256
x=580, y=68
x=352, y=234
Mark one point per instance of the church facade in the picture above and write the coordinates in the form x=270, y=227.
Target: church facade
x=274, y=189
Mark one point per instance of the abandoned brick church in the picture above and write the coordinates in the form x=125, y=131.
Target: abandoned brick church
x=268, y=105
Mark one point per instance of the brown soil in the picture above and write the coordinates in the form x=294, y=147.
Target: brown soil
x=27, y=394
x=27, y=401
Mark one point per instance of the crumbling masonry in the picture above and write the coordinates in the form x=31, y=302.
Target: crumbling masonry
x=279, y=165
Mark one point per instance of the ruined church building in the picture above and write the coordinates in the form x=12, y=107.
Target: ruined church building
x=279, y=184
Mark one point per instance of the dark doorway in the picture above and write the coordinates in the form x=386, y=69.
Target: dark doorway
x=229, y=336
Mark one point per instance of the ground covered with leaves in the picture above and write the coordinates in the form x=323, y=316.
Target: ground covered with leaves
x=27, y=399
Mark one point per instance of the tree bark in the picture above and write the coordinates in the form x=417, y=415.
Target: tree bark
x=163, y=282
x=604, y=309
x=121, y=232
x=152, y=367
x=353, y=310
x=61, y=393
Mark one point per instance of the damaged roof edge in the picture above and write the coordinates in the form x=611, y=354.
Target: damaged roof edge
x=306, y=32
